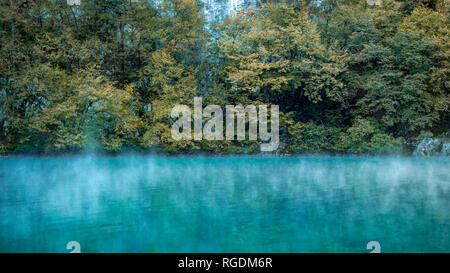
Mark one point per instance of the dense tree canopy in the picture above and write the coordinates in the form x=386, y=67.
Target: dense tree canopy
x=348, y=77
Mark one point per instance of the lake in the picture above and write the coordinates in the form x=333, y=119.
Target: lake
x=224, y=204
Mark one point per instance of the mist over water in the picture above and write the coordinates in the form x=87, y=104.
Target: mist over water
x=242, y=204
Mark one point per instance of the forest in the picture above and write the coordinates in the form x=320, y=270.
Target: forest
x=349, y=77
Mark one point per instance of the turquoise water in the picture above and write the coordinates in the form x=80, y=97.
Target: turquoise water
x=243, y=204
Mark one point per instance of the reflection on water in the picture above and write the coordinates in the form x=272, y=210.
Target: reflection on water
x=152, y=204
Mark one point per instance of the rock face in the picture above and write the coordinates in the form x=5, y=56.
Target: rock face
x=432, y=147
x=445, y=148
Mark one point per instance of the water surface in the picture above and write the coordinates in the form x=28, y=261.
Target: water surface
x=243, y=204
